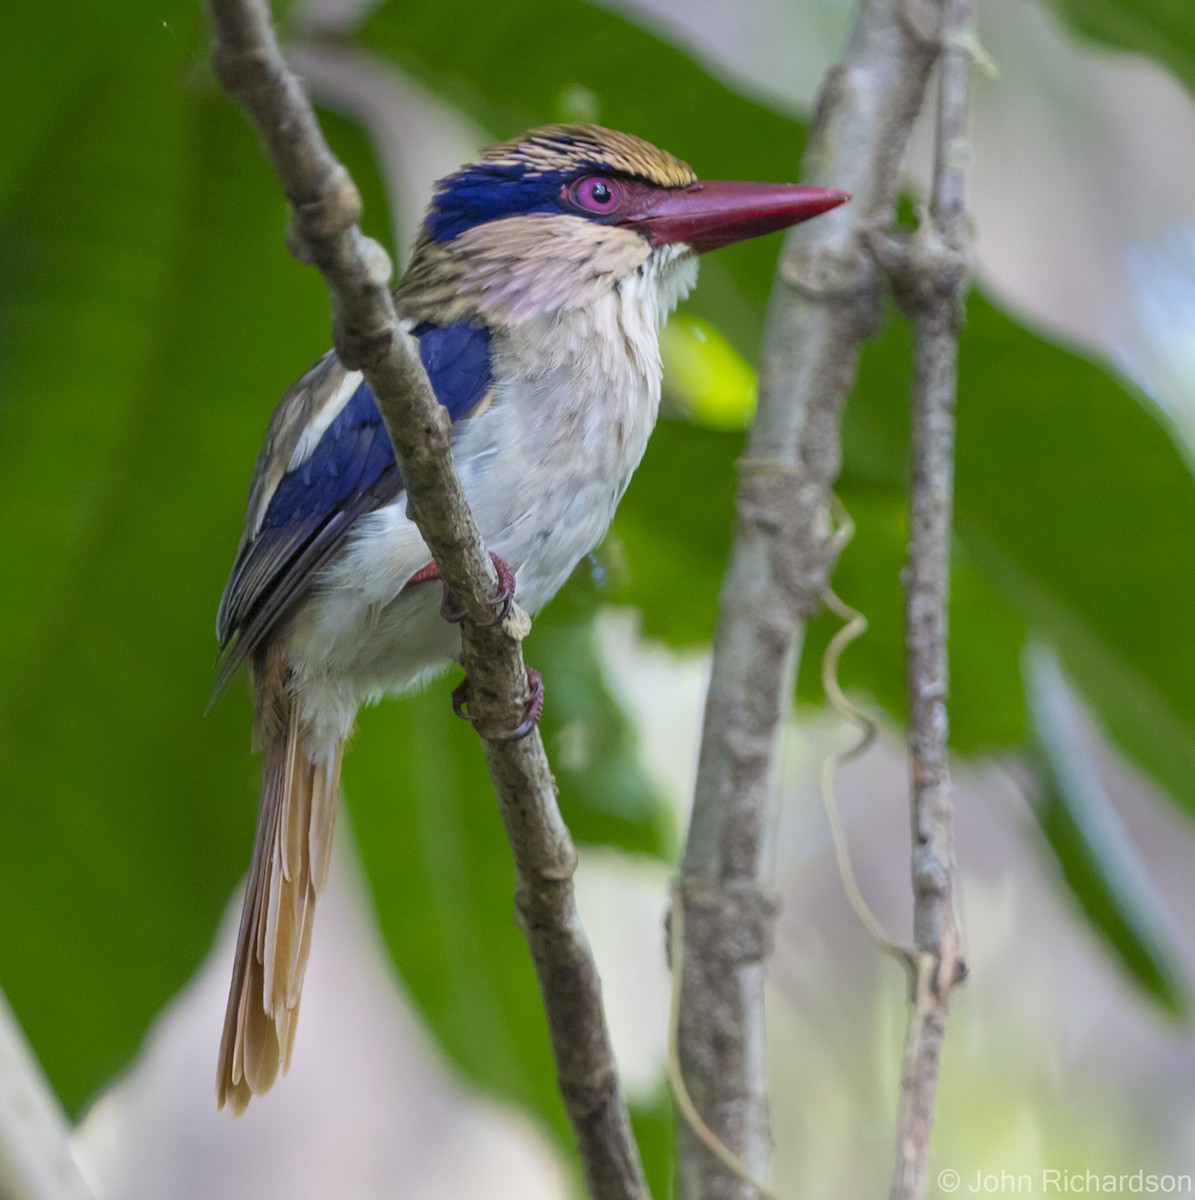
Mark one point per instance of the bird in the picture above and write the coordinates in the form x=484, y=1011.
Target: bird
x=536, y=289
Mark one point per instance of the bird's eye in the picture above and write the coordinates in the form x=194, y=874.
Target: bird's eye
x=596, y=194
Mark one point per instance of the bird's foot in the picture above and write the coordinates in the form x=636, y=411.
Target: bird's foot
x=532, y=711
x=501, y=601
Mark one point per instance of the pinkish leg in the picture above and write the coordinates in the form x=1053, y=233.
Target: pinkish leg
x=501, y=601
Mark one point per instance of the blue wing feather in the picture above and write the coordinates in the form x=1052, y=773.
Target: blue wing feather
x=347, y=460
x=457, y=361
x=349, y=472
x=355, y=449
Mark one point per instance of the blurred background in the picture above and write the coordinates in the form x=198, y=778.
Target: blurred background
x=150, y=319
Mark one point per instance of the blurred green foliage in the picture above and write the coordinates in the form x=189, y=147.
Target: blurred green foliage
x=1162, y=29
x=149, y=319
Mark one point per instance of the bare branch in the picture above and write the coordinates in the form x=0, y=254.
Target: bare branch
x=35, y=1154
x=325, y=208
x=824, y=304
x=931, y=276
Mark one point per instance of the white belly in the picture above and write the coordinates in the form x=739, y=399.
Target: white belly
x=543, y=467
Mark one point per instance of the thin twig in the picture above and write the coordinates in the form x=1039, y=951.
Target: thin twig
x=825, y=303
x=325, y=208
x=854, y=627
x=930, y=276
x=35, y=1155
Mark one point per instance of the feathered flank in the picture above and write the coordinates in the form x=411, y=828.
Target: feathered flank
x=289, y=870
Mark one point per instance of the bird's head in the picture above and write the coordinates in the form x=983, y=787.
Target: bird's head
x=564, y=214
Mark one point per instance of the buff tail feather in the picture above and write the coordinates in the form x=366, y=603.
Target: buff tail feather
x=291, y=856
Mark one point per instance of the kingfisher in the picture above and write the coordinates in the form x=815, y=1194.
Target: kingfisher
x=537, y=287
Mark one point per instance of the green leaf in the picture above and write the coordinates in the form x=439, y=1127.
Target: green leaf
x=633, y=79
x=671, y=535
x=1162, y=29
x=987, y=704
x=80, y=285
x=52, y=48
x=435, y=853
x=1074, y=510
x=705, y=378
x=138, y=368
x=606, y=795
x=1092, y=847
x=1077, y=506
x=653, y=1124
x=106, y=798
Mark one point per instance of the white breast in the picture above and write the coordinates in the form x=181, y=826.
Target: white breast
x=576, y=396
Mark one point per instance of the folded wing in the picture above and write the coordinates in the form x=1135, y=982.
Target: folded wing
x=327, y=461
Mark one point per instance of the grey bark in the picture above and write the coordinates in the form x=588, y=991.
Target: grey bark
x=825, y=303
x=930, y=275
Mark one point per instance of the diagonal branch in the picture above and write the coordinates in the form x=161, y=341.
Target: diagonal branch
x=325, y=207
x=824, y=305
x=930, y=275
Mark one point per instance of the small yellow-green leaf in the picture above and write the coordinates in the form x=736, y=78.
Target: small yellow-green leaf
x=705, y=377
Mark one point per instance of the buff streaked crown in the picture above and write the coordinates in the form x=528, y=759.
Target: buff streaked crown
x=574, y=148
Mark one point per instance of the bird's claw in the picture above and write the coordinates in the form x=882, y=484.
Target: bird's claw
x=532, y=710
x=502, y=601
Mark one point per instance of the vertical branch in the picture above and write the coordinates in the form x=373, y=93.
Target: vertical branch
x=325, y=208
x=825, y=303
x=35, y=1154
x=931, y=278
